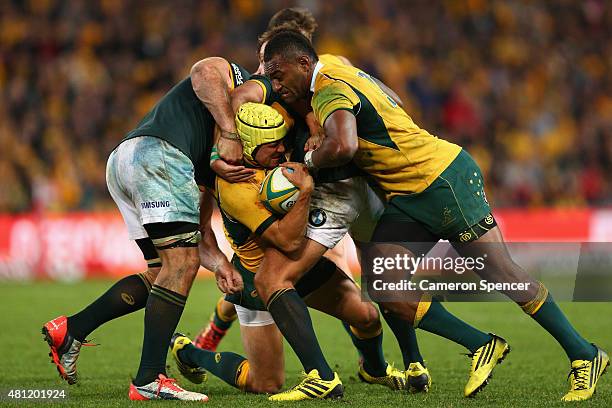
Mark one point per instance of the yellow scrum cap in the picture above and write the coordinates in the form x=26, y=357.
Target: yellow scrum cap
x=258, y=124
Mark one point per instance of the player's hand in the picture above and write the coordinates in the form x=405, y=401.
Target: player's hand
x=315, y=140
x=228, y=279
x=230, y=150
x=317, y=134
x=230, y=172
x=299, y=176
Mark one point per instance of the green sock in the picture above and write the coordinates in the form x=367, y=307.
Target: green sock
x=551, y=318
x=406, y=337
x=371, y=351
x=439, y=321
x=220, y=322
x=347, y=329
x=224, y=365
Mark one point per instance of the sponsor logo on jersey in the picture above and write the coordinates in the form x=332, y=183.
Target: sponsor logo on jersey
x=238, y=78
x=317, y=217
x=155, y=204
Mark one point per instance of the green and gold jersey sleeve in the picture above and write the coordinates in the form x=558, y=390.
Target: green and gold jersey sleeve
x=240, y=203
x=330, y=96
x=244, y=218
x=330, y=59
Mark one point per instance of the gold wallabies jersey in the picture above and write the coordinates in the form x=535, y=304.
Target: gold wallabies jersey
x=244, y=217
x=401, y=157
x=330, y=59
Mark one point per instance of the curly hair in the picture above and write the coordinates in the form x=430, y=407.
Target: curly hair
x=300, y=16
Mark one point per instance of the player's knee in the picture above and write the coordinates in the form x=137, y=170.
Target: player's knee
x=184, y=261
x=368, y=321
x=266, y=283
x=151, y=274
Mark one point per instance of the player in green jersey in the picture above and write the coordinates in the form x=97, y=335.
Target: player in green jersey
x=153, y=175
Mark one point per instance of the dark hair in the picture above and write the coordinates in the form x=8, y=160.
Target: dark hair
x=301, y=17
x=289, y=44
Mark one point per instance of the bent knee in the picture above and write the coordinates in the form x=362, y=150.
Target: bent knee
x=368, y=323
x=150, y=274
x=187, y=261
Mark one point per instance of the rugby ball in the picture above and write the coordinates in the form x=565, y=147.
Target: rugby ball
x=277, y=193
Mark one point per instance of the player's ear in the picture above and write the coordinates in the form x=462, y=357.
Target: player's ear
x=304, y=62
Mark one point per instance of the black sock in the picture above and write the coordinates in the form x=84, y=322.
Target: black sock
x=162, y=314
x=406, y=337
x=126, y=296
x=293, y=320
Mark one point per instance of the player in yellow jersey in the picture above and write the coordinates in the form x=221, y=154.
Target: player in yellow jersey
x=253, y=230
x=434, y=191
x=356, y=197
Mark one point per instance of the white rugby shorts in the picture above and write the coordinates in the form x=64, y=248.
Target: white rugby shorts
x=253, y=318
x=337, y=207
x=152, y=181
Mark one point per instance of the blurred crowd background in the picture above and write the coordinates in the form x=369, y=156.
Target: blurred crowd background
x=525, y=86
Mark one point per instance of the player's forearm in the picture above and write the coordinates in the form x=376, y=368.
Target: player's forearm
x=293, y=225
x=330, y=154
x=211, y=88
x=340, y=144
x=211, y=256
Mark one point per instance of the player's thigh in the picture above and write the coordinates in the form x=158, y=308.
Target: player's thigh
x=334, y=207
x=278, y=271
x=371, y=208
x=118, y=163
x=263, y=346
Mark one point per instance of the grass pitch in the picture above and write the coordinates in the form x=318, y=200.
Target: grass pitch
x=534, y=374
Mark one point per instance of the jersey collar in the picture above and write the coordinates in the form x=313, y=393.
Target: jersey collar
x=317, y=68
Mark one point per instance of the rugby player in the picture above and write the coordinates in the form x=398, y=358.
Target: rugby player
x=153, y=176
x=250, y=227
x=363, y=201
x=434, y=190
